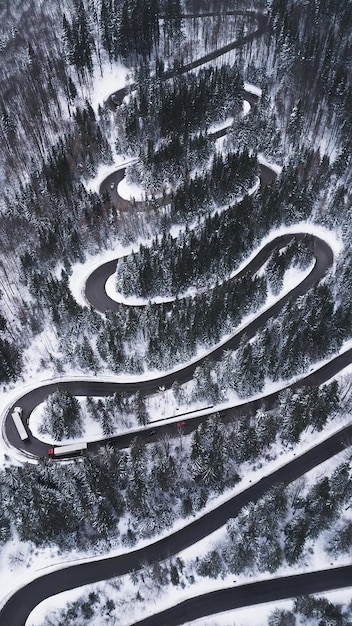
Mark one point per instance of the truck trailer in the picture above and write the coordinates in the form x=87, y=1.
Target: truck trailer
x=71, y=448
x=17, y=418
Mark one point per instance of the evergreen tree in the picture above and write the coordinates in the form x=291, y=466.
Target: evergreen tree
x=208, y=453
x=62, y=416
x=79, y=41
x=282, y=617
x=141, y=409
x=10, y=361
x=137, y=492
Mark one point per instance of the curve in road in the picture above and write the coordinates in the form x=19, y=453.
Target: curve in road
x=251, y=594
x=24, y=600
x=96, y=294
x=18, y=607
x=111, y=183
x=116, y=98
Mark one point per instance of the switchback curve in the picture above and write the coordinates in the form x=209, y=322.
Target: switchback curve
x=22, y=602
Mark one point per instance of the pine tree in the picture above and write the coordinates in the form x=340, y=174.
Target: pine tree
x=62, y=416
x=106, y=29
x=208, y=453
x=174, y=577
x=211, y=565
x=281, y=617
x=10, y=361
x=137, y=492
x=141, y=409
x=79, y=41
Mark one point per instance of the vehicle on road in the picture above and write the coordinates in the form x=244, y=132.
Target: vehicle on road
x=57, y=451
x=17, y=418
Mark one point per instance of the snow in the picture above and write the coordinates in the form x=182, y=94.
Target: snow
x=244, y=617
x=92, y=430
x=295, y=278
x=291, y=279
x=131, y=191
x=81, y=271
x=31, y=563
x=110, y=79
x=273, y=166
x=246, y=108
x=171, y=595
x=256, y=91
x=128, y=190
x=214, y=128
x=258, y=615
x=36, y=564
x=120, y=162
x=304, y=227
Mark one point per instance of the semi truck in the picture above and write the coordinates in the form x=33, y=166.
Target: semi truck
x=17, y=419
x=71, y=448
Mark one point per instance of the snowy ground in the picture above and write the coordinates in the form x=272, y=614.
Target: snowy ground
x=112, y=78
x=35, y=561
x=171, y=595
x=134, y=191
x=130, y=611
x=21, y=562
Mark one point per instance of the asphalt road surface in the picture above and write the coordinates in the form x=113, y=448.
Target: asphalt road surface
x=95, y=293
x=116, y=98
x=251, y=594
x=21, y=603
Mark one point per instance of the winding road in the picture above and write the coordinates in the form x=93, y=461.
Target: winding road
x=96, y=295
x=23, y=601
x=17, y=607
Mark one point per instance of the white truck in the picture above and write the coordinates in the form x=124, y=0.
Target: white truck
x=17, y=418
x=70, y=448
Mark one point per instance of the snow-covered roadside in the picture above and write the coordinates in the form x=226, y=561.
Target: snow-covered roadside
x=131, y=191
x=75, y=592
x=171, y=595
x=104, y=171
x=273, y=166
x=107, y=80
x=246, y=108
x=102, y=90
x=292, y=279
x=81, y=271
x=92, y=431
x=252, y=476
x=218, y=126
x=302, y=227
x=337, y=249
x=335, y=243
x=254, y=89
x=315, y=558
x=259, y=613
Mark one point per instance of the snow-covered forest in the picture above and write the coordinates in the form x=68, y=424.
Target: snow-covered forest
x=206, y=145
